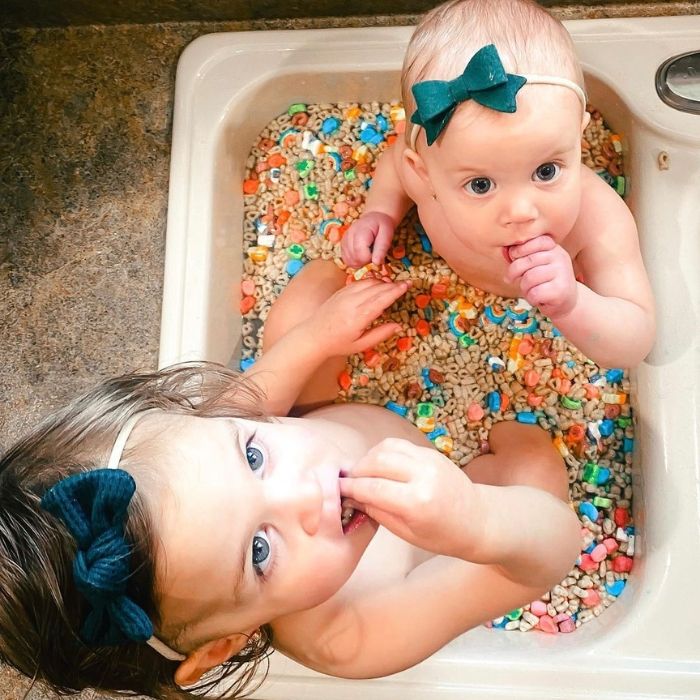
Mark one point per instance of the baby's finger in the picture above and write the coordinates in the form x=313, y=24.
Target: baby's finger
x=370, y=300
x=345, y=246
x=534, y=245
x=347, y=250
x=371, y=492
x=536, y=276
x=381, y=244
x=360, y=287
x=392, y=458
x=540, y=295
x=385, y=295
x=360, y=255
x=520, y=266
x=375, y=335
x=351, y=292
x=362, y=292
x=359, y=246
x=382, y=517
x=549, y=296
x=351, y=259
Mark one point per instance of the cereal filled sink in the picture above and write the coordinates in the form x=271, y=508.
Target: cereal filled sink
x=231, y=89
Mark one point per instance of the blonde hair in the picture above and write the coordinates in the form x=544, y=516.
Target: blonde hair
x=527, y=37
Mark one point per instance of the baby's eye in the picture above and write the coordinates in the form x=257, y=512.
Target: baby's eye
x=479, y=185
x=547, y=172
x=260, y=553
x=255, y=458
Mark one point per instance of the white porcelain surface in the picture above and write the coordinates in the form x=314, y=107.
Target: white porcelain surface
x=647, y=644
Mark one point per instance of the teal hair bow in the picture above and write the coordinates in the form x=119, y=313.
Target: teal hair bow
x=484, y=80
x=93, y=505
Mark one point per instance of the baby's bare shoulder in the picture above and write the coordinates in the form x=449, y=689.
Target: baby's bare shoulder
x=376, y=422
x=347, y=635
x=601, y=204
x=303, y=636
x=604, y=218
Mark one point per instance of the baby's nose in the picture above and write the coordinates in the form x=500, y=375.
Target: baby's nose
x=521, y=208
x=300, y=498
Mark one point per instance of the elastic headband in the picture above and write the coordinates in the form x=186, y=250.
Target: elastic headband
x=93, y=505
x=114, y=458
x=485, y=81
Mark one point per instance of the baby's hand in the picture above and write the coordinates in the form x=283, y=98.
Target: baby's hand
x=368, y=239
x=339, y=325
x=545, y=273
x=418, y=494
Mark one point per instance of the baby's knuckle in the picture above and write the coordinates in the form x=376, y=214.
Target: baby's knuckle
x=424, y=498
x=405, y=512
x=375, y=489
x=535, y=297
x=389, y=445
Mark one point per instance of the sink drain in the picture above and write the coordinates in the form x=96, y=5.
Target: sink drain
x=678, y=82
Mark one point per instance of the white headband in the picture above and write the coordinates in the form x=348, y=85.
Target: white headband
x=531, y=79
x=114, y=458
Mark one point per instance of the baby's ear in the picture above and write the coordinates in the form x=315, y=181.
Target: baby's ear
x=417, y=165
x=585, y=121
x=208, y=656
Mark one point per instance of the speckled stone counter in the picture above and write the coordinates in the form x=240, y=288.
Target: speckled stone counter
x=85, y=117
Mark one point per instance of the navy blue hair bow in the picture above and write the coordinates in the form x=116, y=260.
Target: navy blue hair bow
x=484, y=80
x=93, y=505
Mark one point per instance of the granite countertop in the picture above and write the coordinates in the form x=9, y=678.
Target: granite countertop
x=84, y=159
x=86, y=116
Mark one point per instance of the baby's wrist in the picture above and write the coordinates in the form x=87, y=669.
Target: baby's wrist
x=476, y=535
x=381, y=214
x=310, y=342
x=497, y=535
x=571, y=310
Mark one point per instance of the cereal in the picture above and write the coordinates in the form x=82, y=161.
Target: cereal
x=466, y=358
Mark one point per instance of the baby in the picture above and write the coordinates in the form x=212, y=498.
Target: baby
x=492, y=160
x=161, y=526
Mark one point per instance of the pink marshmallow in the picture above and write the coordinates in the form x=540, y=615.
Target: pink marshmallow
x=538, y=607
x=547, y=624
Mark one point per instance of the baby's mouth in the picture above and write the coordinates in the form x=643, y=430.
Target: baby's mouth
x=351, y=518
x=346, y=513
x=506, y=254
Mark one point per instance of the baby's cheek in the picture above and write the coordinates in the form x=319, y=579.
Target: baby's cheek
x=569, y=209
x=562, y=223
x=329, y=578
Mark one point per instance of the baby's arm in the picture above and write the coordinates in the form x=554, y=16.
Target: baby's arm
x=396, y=626
x=422, y=497
x=338, y=327
x=369, y=237
x=611, y=315
x=498, y=548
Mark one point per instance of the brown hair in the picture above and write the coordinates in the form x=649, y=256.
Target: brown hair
x=41, y=610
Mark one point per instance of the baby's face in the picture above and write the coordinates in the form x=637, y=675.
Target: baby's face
x=250, y=523
x=502, y=179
